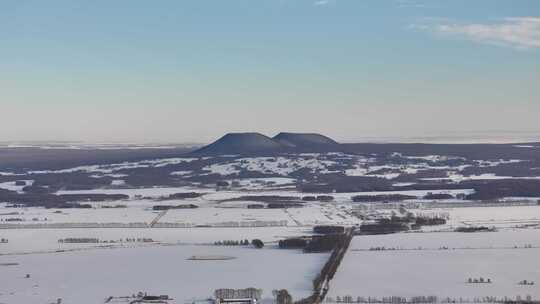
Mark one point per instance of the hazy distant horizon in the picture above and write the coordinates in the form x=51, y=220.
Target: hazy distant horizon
x=494, y=137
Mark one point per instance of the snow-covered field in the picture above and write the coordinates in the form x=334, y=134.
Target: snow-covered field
x=273, y=165
x=440, y=263
x=341, y=197
x=499, y=217
x=133, y=192
x=90, y=272
x=323, y=214
x=224, y=216
x=264, y=183
x=360, y=165
x=38, y=215
x=24, y=241
x=139, y=213
x=88, y=277
x=440, y=272
x=435, y=240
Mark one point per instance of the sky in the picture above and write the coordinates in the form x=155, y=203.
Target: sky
x=192, y=70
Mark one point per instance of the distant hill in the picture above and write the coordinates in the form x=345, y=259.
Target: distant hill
x=256, y=143
x=241, y=143
x=304, y=140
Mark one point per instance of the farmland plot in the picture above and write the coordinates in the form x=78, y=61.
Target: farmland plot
x=88, y=277
x=422, y=266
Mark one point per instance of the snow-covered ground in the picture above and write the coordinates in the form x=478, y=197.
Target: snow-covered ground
x=25, y=241
x=140, y=214
x=38, y=215
x=323, y=214
x=224, y=216
x=369, y=167
x=342, y=197
x=443, y=273
x=277, y=187
x=133, y=192
x=284, y=165
x=272, y=165
x=499, y=217
x=89, y=277
x=88, y=273
x=263, y=183
x=439, y=263
x=434, y=240
x=13, y=187
x=454, y=177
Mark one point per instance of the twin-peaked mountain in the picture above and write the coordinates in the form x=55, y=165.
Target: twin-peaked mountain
x=256, y=143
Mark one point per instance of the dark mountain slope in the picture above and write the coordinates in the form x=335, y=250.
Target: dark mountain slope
x=307, y=142
x=303, y=139
x=242, y=143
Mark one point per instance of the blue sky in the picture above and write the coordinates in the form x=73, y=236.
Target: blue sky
x=192, y=70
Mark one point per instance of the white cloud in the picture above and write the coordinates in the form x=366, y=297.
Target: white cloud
x=517, y=32
x=321, y=2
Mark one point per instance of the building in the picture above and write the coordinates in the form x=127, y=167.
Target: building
x=237, y=296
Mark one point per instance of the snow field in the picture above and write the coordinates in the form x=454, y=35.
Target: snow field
x=441, y=273
x=88, y=277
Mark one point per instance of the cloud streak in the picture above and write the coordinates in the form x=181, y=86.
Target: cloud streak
x=517, y=32
x=321, y=2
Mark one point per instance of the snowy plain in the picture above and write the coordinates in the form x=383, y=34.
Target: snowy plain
x=29, y=241
x=441, y=273
x=89, y=277
x=88, y=273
